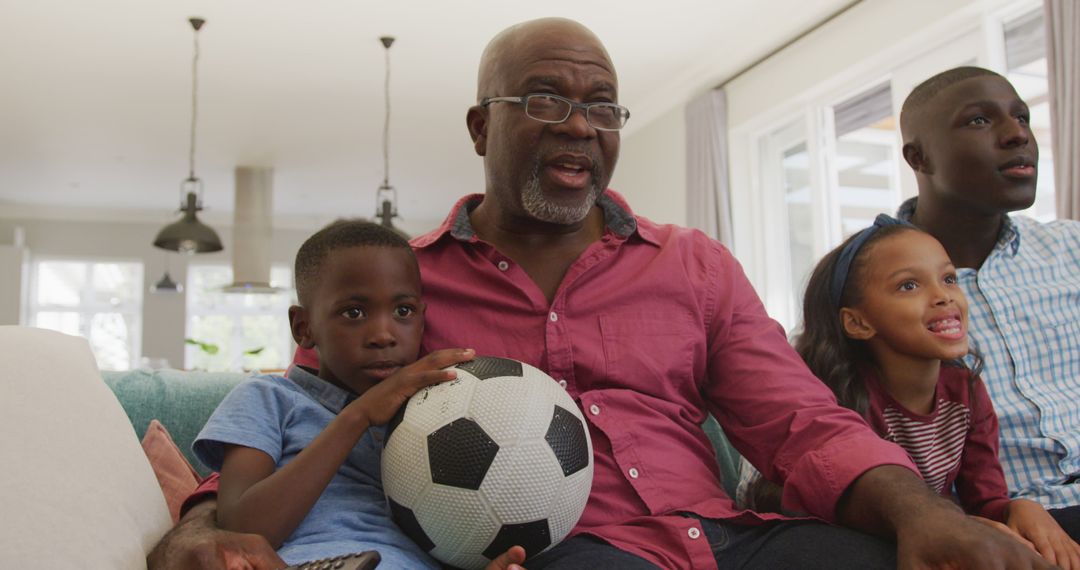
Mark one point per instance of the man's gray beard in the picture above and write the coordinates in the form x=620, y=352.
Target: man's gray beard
x=534, y=202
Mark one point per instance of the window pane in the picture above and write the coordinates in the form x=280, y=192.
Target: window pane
x=238, y=324
x=110, y=338
x=796, y=181
x=116, y=284
x=866, y=158
x=214, y=332
x=66, y=321
x=60, y=283
x=263, y=337
x=106, y=306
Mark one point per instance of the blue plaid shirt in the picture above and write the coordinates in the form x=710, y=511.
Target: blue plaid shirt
x=1024, y=305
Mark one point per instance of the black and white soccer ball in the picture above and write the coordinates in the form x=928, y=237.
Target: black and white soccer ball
x=499, y=456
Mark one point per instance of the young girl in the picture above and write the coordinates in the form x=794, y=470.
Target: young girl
x=885, y=327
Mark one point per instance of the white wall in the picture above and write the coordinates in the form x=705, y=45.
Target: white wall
x=163, y=314
x=651, y=172
x=12, y=260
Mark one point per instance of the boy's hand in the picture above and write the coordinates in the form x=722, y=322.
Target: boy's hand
x=382, y=400
x=509, y=560
x=1030, y=520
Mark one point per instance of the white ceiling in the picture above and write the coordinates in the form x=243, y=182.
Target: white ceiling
x=95, y=94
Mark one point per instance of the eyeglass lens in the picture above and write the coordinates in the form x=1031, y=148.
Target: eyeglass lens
x=555, y=110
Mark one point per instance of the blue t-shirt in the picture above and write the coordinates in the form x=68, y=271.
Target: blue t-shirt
x=280, y=417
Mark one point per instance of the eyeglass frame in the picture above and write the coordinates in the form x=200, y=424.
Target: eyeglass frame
x=524, y=100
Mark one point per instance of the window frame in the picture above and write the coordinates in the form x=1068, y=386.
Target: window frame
x=760, y=237
x=131, y=309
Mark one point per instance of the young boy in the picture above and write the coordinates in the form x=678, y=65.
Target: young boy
x=967, y=137
x=299, y=455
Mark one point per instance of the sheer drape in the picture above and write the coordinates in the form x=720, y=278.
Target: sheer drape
x=707, y=202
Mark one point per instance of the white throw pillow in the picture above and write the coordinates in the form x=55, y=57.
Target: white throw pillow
x=76, y=488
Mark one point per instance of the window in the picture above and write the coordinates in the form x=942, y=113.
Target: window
x=1026, y=69
x=236, y=331
x=867, y=160
x=98, y=300
x=822, y=164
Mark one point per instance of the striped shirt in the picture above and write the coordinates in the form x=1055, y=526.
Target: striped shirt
x=1024, y=311
x=954, y=445
x=935, y=443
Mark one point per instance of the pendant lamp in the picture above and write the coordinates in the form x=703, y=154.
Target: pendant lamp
x=189, y=235
x=386, y=195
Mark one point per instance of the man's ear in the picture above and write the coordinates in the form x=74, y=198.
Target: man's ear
x=855, y=324
x=914, y=156
x=476, y=121
x=298, y=324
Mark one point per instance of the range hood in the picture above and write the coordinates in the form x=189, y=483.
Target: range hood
x=252, y=231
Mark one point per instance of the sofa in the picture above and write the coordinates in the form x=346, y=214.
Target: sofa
x=85, y=481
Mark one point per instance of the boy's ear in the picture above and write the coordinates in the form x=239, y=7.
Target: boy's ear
x=299, y=325
x=476, y=121
x=855, y=324
x=913, y=155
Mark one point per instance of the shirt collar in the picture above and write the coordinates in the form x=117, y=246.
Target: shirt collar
x=330, y=396
x=619, y=219
x=1008, y=238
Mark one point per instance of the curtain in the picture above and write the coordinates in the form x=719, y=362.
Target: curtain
x=708, y=206
x=1063, y=62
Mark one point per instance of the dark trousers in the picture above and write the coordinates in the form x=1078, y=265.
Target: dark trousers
x=804, y=545
x=1069, y=519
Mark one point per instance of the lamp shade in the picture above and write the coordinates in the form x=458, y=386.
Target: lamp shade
x=188, y=235
x=166, y=285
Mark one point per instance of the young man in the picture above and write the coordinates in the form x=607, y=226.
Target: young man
x=651, y=327
x=967, y=137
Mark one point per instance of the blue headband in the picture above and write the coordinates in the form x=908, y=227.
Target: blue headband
x=847, y=255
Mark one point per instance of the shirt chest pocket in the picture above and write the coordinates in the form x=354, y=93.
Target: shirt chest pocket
x=649, y=352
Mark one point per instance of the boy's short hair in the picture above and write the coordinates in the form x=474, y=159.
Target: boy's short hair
x=340, y=234
x=926, y=91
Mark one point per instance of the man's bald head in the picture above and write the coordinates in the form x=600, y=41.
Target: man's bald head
x=505, y=49
x=927, y=91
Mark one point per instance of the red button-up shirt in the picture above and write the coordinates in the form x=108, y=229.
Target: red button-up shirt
x=653, y=327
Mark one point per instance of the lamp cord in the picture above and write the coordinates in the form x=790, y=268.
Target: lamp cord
x=386, y=125
x=194, y=106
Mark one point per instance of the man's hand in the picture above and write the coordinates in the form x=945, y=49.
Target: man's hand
x=1005, y=529
x=196, y=542
x=930, y=532
x=949, y=539
x=509, y=560
x=1030, y=520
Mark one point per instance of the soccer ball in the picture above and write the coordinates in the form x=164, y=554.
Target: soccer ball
x=499, y=456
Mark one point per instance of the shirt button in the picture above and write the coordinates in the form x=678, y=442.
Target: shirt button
x=503, y=266
x=633, y=473
x=562, y=383
x=594, y=410
x=554, y=317
x=693, y=533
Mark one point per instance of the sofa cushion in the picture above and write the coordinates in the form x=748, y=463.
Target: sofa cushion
x=182, y=401
x=77, y=490
x=175, y=475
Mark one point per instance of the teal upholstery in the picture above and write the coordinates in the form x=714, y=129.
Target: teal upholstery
x=726, y=457
x=183, y=401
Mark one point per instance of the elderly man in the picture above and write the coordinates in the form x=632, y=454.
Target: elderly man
x=649, y=327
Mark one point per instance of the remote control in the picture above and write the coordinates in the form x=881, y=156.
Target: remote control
x=355, y=561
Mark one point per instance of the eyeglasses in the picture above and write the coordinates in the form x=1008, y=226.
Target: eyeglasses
x=555, y=109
